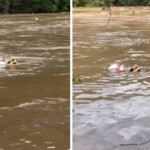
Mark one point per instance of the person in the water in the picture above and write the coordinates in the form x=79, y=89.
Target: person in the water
x=115, y=67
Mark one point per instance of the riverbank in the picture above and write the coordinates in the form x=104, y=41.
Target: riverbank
x=114, y=10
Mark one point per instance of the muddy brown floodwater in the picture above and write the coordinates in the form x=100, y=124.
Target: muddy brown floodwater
x=111, y=110
x=34, y=94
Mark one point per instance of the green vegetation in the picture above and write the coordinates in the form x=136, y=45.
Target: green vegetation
x=97, y=3
x=77, y=80
x=33, y=6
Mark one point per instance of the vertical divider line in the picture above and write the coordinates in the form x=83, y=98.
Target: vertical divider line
x=71, y=75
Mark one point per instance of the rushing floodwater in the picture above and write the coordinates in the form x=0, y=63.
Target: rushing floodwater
x=34, y=103
x=105, y=98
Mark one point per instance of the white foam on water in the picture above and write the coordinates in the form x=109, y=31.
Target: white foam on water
x=82, y=96
x=60, y=47
x=28, y=142
x=22, y=140
x=5, y=108
x=48, y=142
x=128, y=133
x=51, y=147
x=35, y=102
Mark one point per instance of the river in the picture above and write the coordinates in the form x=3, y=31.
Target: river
x=34, y=94
x=111, y=110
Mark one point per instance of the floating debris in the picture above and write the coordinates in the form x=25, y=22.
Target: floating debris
x=77, y=80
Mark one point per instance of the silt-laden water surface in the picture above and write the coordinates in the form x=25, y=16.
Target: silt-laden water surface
x=34, y=94
x=111, y=110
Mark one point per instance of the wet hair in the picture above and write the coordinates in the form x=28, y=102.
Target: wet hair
x=131, y=70
x=135, y=68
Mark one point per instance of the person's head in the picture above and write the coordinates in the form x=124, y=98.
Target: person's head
x=12, y=61
x=135, y=69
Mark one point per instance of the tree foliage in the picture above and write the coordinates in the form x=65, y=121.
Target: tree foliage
x=97, y=3
x=34, y=6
